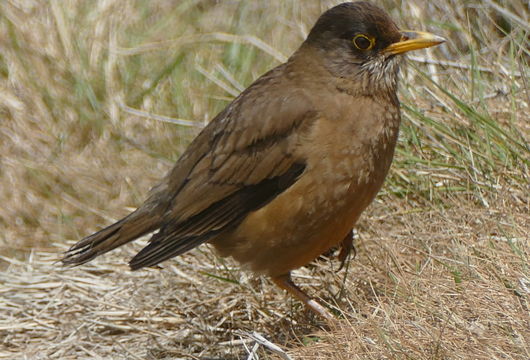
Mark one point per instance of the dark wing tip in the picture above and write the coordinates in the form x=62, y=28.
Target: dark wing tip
x=78, y=254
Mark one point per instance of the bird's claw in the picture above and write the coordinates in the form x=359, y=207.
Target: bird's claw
x=346, y=248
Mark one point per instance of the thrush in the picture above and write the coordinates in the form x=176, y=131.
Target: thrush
x=282, y=174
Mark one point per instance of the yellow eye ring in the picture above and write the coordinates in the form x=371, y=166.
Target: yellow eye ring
x=363, y=42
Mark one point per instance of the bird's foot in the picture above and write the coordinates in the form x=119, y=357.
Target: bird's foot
x=346, y=248
x=285, y=282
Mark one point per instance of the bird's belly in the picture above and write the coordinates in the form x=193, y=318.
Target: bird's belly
x=315, y=214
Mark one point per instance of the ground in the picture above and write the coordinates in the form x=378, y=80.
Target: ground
x=99, y=98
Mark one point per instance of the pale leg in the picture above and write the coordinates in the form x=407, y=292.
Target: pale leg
x=285, y=282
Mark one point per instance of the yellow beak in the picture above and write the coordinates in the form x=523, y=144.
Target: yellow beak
x=413, y=40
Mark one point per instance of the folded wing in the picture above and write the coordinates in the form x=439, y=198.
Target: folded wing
x=241, y=161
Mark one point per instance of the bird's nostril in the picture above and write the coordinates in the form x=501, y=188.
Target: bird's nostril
x=407, y=35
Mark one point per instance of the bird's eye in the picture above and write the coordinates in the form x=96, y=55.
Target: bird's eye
x=363, y=42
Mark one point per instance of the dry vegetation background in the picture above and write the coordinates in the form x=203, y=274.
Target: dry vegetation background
x=98, y=99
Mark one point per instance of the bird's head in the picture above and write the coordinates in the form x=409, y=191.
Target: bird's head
x=359, y=41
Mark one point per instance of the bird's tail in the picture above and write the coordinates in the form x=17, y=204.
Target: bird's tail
x=131, y=227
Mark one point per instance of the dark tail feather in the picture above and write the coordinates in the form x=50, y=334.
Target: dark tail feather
x=133, y=226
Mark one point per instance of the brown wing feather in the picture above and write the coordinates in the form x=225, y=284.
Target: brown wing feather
x=250, y=161
x=176, y=238
x=242, y=160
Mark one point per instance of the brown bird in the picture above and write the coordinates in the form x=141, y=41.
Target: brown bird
x=282, y=174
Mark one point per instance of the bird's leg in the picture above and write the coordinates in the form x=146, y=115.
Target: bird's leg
x=346, y=247
x=285, y=282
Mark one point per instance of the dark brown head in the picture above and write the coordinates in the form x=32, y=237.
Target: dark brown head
x=359, y=40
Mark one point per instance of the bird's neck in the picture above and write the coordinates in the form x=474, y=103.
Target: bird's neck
x=376, y=78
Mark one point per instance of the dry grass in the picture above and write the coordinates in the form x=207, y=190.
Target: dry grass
x=442, y=269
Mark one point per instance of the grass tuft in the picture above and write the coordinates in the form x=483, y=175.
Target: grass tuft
x=99, y=98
